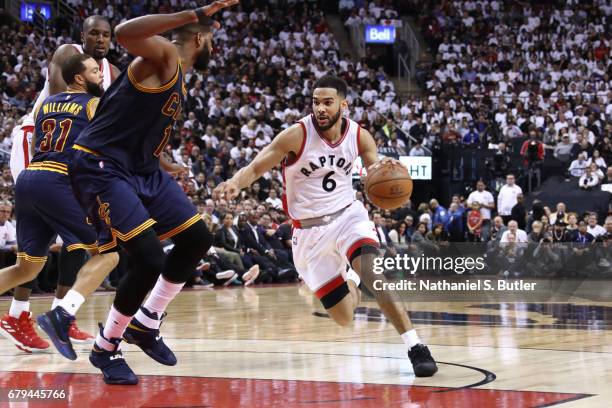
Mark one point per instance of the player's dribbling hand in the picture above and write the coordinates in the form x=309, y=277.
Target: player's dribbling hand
x=228, y=190
x=385, y=161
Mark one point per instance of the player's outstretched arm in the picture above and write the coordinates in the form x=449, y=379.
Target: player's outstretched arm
x=287, y=142
x=56, y=81
x=140, y=36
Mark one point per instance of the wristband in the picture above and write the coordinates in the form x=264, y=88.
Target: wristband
x=203, y=19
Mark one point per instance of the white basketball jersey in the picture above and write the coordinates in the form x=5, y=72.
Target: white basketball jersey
x=319, y=182
x=22, y=134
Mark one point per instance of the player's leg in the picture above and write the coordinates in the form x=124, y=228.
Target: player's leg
x=33, y=237
x=102, y=189
x=323, y=271
x=360, y=245
x=70, y=262
x=177, y=219
x=340, y=303
x=64, y=216
x=147, y=264
x=423, y=364
x=17, y=325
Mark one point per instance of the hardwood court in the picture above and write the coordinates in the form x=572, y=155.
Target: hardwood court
x=274, y=347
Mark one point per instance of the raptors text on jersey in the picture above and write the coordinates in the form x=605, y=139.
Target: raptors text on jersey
x=319, y=181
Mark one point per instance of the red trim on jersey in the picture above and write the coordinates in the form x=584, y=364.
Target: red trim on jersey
x=330, y=286
x=295, y=223
x=299, y=154
x=348, y=125
x=112, y=73
x=26, y=145
x=77, y=48
x=358, y=139
x=362, y=241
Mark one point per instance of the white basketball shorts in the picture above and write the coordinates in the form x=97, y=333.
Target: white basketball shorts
x=321, y=254
x=20, y=152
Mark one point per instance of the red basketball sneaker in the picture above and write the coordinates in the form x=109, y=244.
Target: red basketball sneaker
x=78, y=336
x=21, y=332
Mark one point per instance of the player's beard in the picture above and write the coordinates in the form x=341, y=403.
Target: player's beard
x=201, y=62
x=93, y=88
x=332, y=121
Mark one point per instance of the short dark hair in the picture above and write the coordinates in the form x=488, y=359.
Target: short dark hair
x=73, y=66
x=332, y=81
x=184, y=32
x=91, y=20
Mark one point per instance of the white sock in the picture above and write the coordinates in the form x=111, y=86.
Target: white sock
x=352, y=275
x=116, y=324
x=55, y=303
x=71, y=302
x=411, y=338
x=157, y=302
x=18, y=306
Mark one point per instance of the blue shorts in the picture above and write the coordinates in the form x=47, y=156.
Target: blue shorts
x=45, y=205
x=123, y=204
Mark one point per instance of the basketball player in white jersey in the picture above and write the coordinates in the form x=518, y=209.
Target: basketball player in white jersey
x=17, y=326
x=331, y=228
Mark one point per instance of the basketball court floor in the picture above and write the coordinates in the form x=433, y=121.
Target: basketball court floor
x=275, y=347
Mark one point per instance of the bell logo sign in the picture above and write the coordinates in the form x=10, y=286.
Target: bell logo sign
x=380, y=34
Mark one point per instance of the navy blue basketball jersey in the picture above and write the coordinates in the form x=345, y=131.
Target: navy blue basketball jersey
x=59, y=120
x=133, y=123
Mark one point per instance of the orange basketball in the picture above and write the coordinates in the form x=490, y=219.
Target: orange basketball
x=388, y=186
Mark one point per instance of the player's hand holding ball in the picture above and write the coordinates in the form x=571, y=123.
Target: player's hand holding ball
x=388, y=184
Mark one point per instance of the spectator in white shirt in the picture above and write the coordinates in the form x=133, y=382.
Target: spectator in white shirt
x=273, y=199
x=487, y=203
x=578, y=167
x=417, y=150
x=506, y=198
x=8, y=234
x=588, y=180
x=593, y=228
x=521, y=236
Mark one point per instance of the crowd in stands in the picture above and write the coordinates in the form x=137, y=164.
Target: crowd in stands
x=500, y=74
x=498, y=225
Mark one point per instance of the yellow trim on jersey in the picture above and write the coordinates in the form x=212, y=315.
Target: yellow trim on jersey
x=47, y=167
x=60, y=166
x=110, y=245
x=181, y=227
x=162, y=88
x=127, y=236
x=131, y=234
x=82, y=246
x=85, y=149
x=29, y=258
x=91, y=107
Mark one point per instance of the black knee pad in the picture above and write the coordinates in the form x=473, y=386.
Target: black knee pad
x=69, y=265
x=190, y=246
x=335, y=296
x=146, y=251
x=196, y=238
x=146, y=264
x=362, y=250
